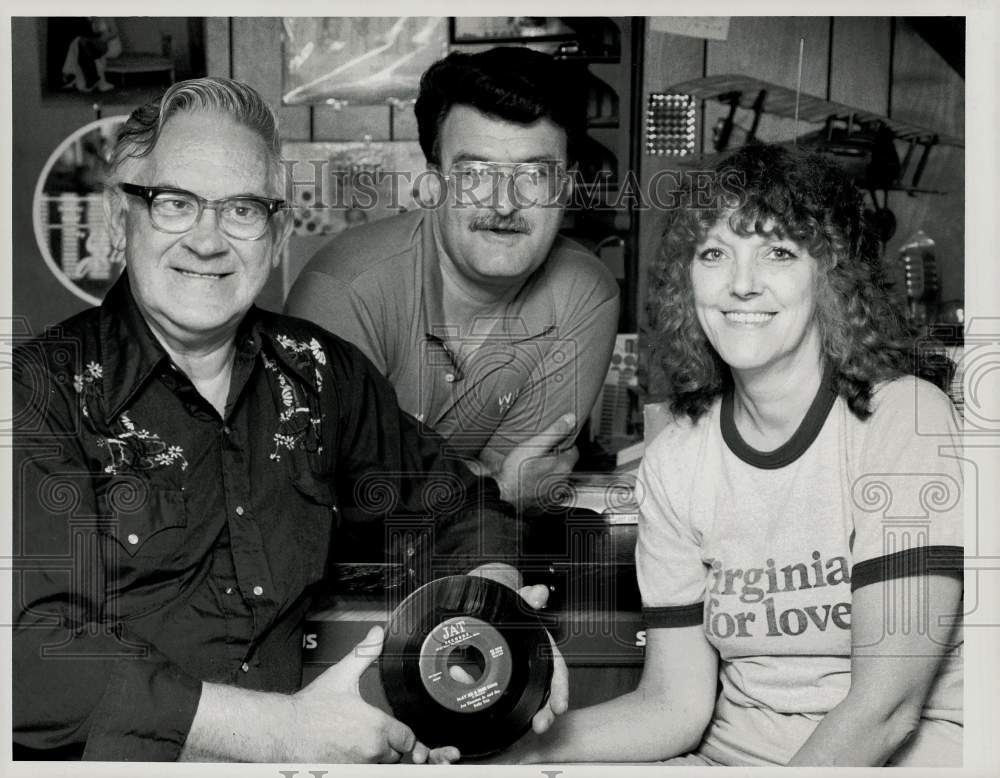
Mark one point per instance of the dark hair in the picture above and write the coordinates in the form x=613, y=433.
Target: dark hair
x=513, y=83
x=804, y=197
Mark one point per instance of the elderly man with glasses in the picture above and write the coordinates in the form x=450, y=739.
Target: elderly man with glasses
x=494, y=330
x=181, y=459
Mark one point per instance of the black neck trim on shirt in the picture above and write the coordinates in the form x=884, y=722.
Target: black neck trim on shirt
x=796, y=445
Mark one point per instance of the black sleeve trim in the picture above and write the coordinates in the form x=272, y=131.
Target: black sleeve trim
x=674, y=615
x=925, y=560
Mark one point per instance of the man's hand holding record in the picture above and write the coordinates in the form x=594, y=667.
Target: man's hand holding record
x=470, y=667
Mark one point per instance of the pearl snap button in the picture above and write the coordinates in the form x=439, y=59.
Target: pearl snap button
x=258, y=590
x=239, y=510
x=133, y=539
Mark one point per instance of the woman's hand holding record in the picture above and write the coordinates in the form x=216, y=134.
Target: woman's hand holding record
x=467, y=664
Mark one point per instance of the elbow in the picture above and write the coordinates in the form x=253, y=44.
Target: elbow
x=892, y=723
x=902, y=724
x=685, y=721
x=694, y=731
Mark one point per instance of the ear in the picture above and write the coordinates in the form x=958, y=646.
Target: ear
x=115, y=214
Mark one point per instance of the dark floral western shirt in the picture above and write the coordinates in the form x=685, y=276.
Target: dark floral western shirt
x=159, y=545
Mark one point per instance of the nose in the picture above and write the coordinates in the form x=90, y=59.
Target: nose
x=206, y=238
x=743, y=278
x=505, y=197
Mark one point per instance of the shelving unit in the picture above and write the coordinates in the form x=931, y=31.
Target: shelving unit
x=609, y=49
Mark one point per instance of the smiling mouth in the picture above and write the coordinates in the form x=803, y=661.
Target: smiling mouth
x=748, y=318
x=193, y=274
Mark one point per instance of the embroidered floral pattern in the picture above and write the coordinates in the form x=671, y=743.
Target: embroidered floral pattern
x=139, y=449
x=300, y=349
x=295, y=419
x=131, y=449
x=87, y=385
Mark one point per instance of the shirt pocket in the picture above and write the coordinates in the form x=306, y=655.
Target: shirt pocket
x=312, y=523
x=146, y=547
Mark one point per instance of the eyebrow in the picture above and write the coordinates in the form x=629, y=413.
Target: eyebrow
x=465, y=156
x=769, y=239
x=170, y=185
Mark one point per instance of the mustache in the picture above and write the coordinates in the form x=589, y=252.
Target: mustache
x=505, y=223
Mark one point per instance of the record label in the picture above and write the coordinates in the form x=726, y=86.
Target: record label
x=466, y=663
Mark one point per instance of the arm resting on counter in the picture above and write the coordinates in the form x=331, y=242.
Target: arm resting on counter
x=665, y=716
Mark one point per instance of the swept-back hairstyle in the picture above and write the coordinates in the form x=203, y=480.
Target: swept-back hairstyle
x=512, y=83
x=769, y=190
x=140, y=133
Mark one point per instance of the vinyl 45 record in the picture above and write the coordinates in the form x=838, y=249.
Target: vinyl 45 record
x=466, y=663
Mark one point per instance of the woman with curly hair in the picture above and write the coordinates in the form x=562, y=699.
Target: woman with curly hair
x=799, y=551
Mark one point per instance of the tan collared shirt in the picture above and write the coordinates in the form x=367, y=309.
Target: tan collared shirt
x=380, y=287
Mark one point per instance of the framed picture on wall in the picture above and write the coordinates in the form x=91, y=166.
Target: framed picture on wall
x=120, y=56
x=500, y=29
x=360, y=60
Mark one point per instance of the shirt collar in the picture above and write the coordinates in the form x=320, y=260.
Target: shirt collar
x=131, y=354
x=531, y=314
x=129, y=351
x=300, y=362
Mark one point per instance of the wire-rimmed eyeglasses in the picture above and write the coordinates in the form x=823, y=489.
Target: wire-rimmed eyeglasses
x=530, y=183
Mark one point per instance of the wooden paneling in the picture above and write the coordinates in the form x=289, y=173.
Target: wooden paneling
x=925, y=90
x=217, y=45
x=859, y=62
x=257, y=60
x=669, y=59
x=768, y=48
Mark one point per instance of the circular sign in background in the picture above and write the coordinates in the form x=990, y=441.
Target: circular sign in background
x=68, y=216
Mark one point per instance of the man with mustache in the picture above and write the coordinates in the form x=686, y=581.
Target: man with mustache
x=494, y=330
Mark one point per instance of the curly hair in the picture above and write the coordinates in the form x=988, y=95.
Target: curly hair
x=770, y=190
x=512, y=83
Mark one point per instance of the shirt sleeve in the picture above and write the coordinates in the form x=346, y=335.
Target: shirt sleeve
x=907, y=492
x=569, y=374
x=668, y=559
x=439, y=518
x=335, y=306
x=81, y=682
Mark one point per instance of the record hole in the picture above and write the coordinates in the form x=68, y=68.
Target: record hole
x=466, y=665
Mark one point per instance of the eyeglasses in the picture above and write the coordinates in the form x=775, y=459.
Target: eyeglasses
x=177, y=210
x=531, y=183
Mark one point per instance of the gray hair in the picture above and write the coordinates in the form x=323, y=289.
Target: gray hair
x=139, y=135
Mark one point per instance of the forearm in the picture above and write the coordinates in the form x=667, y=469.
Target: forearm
x=632, y=728
x=481, y=529
x=892, y=672
x=490, y=465
x=857, y=734
x=240, y=725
